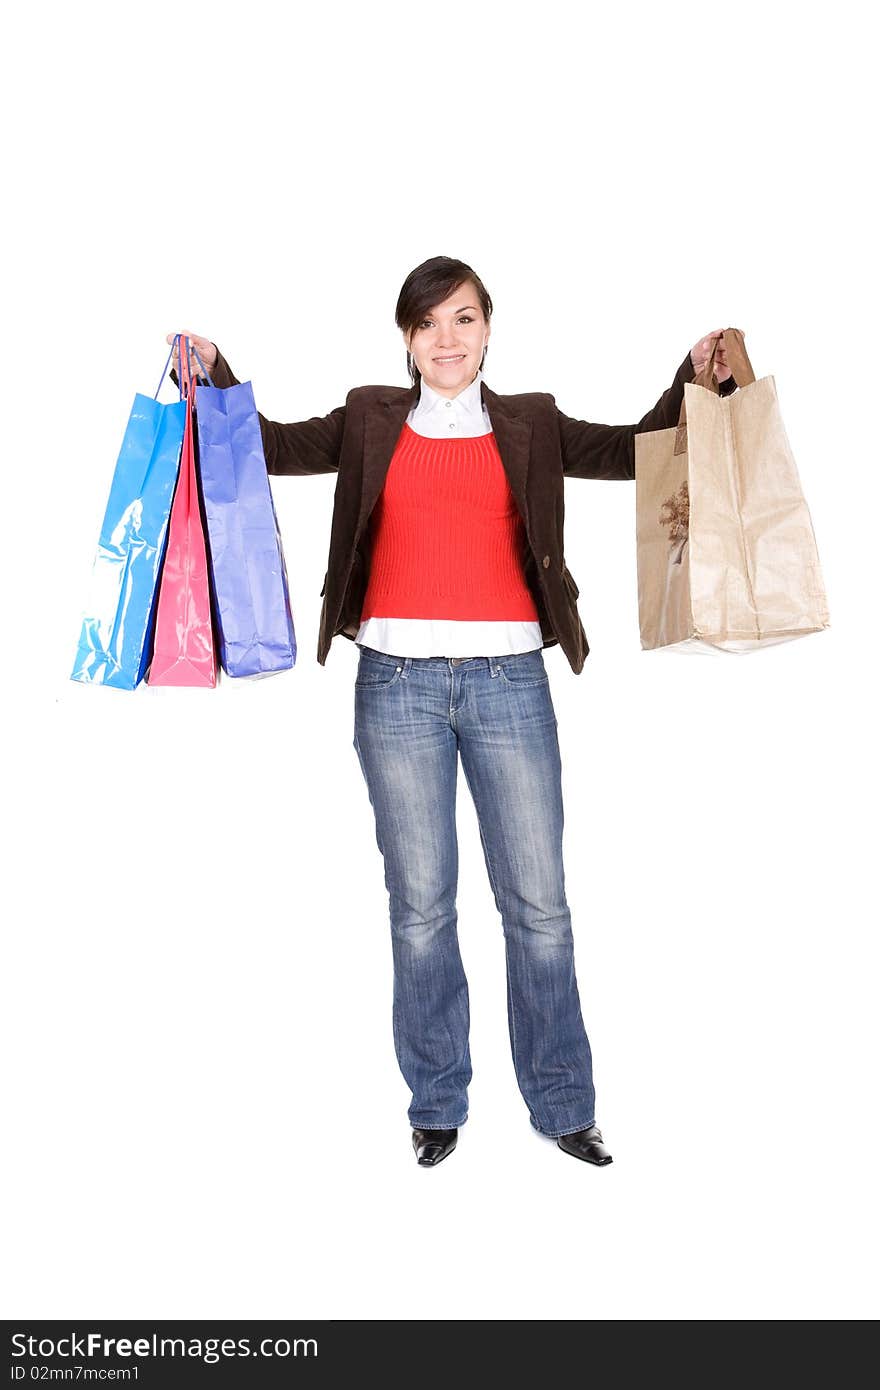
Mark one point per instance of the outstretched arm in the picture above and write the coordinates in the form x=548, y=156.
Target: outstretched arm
x=300, y=448
x=609, y=451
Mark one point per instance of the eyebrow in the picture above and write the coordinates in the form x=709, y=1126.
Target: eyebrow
x=455, y=311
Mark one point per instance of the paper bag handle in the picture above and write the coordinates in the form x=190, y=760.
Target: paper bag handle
x=737, y=357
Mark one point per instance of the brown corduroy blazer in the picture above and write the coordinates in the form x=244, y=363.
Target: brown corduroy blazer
x=540, y=447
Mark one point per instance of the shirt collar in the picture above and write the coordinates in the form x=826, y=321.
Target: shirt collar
x=469, y=398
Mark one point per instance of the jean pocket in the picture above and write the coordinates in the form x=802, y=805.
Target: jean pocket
x=525, y=669
x=375, y=675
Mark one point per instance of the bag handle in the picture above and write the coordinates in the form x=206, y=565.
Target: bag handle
x=737, y=357
x=205, y=371
x=184, y=371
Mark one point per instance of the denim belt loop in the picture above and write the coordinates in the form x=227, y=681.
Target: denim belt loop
x=406, y=668
x=494, y=665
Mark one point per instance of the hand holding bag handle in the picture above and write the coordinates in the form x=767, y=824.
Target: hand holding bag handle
x=741, y=370
x=194, y=351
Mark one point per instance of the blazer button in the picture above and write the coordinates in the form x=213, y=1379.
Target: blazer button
x=546, y=561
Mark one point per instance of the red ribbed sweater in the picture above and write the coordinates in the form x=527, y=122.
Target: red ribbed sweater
x=447, y=537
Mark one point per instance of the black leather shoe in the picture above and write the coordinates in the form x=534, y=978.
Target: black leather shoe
x=432, y=1145
x=586, y=1144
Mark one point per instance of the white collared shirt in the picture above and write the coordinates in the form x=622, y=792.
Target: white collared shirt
x=440, y=417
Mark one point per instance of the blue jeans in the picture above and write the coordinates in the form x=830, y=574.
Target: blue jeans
x=413, y=717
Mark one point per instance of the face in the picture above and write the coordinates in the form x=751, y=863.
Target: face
x=448, y=344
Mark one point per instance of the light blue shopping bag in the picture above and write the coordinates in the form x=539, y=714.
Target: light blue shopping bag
x=114, y=643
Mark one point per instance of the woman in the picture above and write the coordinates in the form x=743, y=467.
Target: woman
x=447, y=569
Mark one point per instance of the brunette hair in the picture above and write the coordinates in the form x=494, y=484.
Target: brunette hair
x=431, y=283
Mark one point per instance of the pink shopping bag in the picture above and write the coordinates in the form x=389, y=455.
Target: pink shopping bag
x=183, y=645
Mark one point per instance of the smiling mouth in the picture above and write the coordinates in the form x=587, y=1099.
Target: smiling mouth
x=448, y=361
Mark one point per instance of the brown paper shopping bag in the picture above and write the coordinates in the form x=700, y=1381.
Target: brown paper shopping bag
x=726, y=553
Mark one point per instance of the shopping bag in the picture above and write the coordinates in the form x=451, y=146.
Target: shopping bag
x=183, y=642
x=726, y=553
x=248, y=574
x=114, y=639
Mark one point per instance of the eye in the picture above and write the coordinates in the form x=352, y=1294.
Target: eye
x=463, y=318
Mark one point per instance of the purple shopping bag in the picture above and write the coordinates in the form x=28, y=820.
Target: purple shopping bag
x=248, y=574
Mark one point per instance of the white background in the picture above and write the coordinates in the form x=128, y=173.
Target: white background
x=205, y=1116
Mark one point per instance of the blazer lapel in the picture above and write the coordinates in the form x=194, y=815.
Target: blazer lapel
x=384, y=420
x=514, y=435
x=386, y=417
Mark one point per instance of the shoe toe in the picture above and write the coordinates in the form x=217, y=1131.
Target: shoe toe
x=585, y=1144
x=433, y=1145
